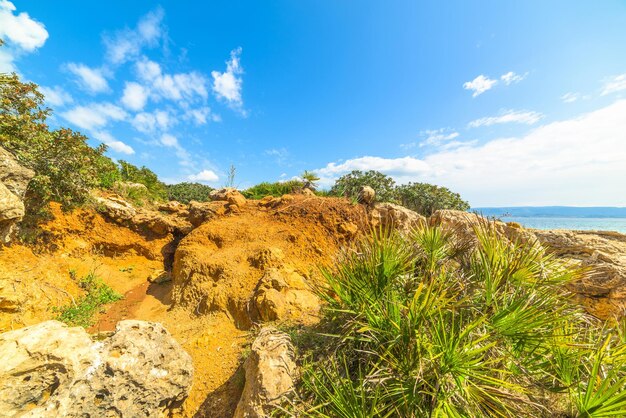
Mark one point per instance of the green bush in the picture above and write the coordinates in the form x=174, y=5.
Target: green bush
x=426, y=198
x=432, y=325
x=350, y=184
x=186, y=192
x=157, y=190
x=81, y=312
x=276, y=189
x=66, y=166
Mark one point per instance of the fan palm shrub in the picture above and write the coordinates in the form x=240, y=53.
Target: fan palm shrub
x=442, y=324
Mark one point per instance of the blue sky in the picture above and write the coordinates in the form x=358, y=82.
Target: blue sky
x=508, y=103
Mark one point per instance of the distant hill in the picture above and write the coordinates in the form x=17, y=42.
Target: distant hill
x=554, y=211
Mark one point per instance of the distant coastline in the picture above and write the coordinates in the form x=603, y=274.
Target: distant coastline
x=553, y=212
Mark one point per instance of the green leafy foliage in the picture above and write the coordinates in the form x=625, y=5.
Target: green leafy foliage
x=81, y=312
x=427, y=198
x=438, y=325
x=423, y=198
x=350, y=184
x=66, y=166
x=276, y=189
x=186, y=192
x=157, y=190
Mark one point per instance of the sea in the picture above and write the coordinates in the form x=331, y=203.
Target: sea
x=593, y=224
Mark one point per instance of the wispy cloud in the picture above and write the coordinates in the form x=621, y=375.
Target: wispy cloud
x=126, y=44
x=508, y=116
x=614, y=84
x=94, y=116
x=56, y=96
x=89, y=79
x=177, y=87
x=479, y=85
x=570, y=97
x=512, y=78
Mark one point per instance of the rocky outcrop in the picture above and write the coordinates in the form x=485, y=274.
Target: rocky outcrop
x=270, y=374
x=283, y=294
x=173, y=219
x=603, y=253
x=14, y=181
x=465, y=223
x=391, y=216
x=235, y=199
x=50, y=370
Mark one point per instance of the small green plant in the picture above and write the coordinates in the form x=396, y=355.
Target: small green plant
x=186, y=192
x=310, y=179
x=230, y=181
x=81, y=312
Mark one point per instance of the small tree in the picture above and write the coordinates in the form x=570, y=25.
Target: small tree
x=310, y=179
x=350, y=184
x=427, y=198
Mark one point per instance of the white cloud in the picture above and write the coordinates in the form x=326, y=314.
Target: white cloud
x=401, y=167
x=579, y=161
x=177, y=87
x=227, y=85
x=615, y=84
x=158, y=120
x=201, y=116
x=168, y=140
x=126, y=44
x=479, y=85
x=21, y=33
x=56, y=96
x=135, y=96
x=508, y=116
x=205, y=176
x=437, y=136
x=21, y=30
x=113, y=143
x=570, y=97
x=90, y=79
x=94, y=116
x=512, y=78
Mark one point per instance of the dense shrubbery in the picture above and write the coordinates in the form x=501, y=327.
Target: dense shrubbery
x=435, y=326
x=186, y=192
x=350, y=184
x=276, y=189
x=423, y=198
x=427, y=198
x=66, y=166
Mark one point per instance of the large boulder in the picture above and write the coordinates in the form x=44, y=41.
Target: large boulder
x=465, y=223
x=234, y=198
x=391, y=216
x=51, y=370
x=603, y=291
x=283, y=294
x=270, y=374
x=14, y=176
x=14, y=181
x=367, y=195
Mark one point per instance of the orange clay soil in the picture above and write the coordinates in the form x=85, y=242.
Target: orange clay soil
x=306, y=232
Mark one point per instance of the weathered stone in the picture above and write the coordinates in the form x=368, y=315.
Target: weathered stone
x=51, y=370
x=229, y=194
x=366, y=195
x=115, y=208
x=283, y=294
x=389, y=215
x=160, y=276
x=270, y=373
x=11, y=212
x=200, y=212
x=14, y=176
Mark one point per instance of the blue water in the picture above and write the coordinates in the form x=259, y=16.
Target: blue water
x=597, y=224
